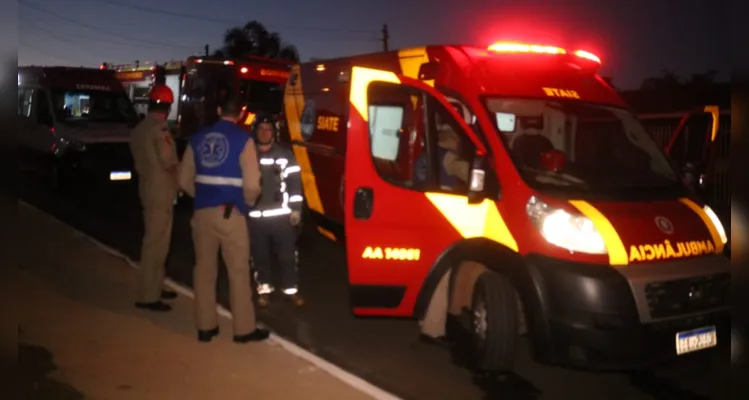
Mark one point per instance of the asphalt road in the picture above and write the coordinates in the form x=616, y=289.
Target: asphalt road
x=384, y=351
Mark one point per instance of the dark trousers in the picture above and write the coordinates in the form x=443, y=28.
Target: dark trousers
x=276, y=234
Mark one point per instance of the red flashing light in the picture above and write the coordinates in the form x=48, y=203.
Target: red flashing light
x=513, y=47
x=510, y=47
x=244, y=70
x=588, y=56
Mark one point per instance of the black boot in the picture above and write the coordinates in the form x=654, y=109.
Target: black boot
x=257, y=335
x=207, y=336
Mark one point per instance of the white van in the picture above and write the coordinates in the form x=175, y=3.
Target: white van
x=75, y=123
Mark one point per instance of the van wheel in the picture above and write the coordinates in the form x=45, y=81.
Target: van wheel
x=494, y=323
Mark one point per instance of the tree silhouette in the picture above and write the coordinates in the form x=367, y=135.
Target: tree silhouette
x=254, y=39
x=669, y=81
x=669, y=91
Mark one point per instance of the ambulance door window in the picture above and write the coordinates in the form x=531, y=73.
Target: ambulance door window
x=391, y=129
x=415, y=142
x=445, y=166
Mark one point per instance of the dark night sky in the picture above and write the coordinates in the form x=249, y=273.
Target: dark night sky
x=634, y=38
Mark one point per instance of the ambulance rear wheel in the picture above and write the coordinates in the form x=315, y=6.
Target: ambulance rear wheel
x=494, y=323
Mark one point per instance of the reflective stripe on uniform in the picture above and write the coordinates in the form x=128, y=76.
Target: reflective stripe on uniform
x=218, y=180
x=296, y=198
x=290, y=170
x=274, y=212
x=267, y=161
x=290, y=291
x=264, y=288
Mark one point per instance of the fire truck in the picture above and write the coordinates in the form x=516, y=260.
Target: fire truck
x=517, y=173
x=257, y=81
x=199, y=83
x=75, y=123
x=139, y=78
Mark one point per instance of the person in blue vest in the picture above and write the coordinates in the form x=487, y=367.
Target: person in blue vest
x=278, y=213
x=221, y=171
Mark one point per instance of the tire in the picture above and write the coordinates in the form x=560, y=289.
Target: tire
x=494, y=323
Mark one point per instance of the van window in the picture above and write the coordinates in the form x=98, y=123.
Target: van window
x=92, y=105
x=403, y=123
x=24, y=102
x=43, y=114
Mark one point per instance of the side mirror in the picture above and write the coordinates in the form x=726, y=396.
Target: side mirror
x=477, y=180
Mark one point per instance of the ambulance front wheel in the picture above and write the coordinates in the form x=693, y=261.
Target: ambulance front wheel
x=494, y=323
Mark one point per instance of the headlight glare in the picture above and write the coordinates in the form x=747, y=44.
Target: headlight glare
x=716, y=222
x=575, y=233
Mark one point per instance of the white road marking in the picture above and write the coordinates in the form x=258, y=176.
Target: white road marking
x=337, y=372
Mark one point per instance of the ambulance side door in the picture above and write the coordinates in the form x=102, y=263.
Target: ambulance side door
x=394, y=232
x=692, y=143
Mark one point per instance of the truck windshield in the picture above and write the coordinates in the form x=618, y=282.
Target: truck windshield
x=596, y=148
x=261, y=95
x=93, y=106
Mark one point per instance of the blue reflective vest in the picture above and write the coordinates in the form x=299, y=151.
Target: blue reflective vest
x=218, y=175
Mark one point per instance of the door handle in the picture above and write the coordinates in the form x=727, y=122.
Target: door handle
x=363, y=203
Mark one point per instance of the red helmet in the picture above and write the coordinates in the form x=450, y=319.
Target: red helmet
x=161, y=94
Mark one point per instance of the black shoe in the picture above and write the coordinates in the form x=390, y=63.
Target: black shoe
x=207, y=336
x=168, y=294
x=258, y=335
x=435, y=341
x=157, y=306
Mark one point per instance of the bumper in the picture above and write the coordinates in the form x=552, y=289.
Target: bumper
x=100, y=163
x=598, y=317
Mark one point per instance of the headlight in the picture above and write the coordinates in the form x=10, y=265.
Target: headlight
x=716, y=222
x=575, y=233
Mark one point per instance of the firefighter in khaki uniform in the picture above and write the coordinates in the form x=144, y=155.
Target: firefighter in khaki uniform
x=155, y=158
x=220, y=170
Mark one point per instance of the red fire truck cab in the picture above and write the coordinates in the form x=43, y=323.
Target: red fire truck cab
x=521, y=173
x=257, y=81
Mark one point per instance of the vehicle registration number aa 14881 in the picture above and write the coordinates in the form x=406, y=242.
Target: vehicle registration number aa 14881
x=696, y=339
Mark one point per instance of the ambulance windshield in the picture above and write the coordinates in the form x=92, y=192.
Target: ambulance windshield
x=580, y=146
x=72, y=106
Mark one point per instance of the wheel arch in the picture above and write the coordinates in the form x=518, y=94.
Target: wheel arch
x=472, y=256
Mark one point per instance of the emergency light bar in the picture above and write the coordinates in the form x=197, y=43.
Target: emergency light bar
x=512, y=47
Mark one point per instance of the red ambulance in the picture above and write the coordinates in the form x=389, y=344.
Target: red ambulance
x=517, y=169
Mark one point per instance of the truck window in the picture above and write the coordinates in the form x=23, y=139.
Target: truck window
x=400, y=132
x=261, y=95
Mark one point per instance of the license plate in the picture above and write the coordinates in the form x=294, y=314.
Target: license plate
x=120, y=175
x=696, y=339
